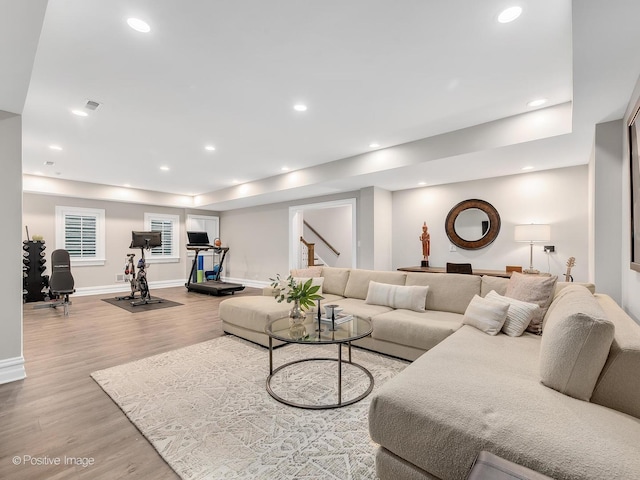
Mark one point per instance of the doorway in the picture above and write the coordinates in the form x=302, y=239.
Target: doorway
x=330, y=226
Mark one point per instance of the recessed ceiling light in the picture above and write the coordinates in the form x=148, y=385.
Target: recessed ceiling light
x=49, y=163
x=80, y=113
x=55, y=147
x=537, y=102
x=422, y=183
x=510, y=14
x=138, y=25
x=300, y=107
x=164, y=168
x=528, y=167
x=285, y=169
x=374, y=145
x=210, y=148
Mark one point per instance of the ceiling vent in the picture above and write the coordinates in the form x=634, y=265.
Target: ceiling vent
x=92, y=105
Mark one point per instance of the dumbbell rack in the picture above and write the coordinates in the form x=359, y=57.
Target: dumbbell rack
x=34, y=283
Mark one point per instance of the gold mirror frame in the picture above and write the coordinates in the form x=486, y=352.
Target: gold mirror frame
x=488, y=238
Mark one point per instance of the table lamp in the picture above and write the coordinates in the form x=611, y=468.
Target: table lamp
x=532, y=233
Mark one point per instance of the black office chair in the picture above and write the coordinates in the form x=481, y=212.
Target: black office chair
x=61, y=283
x=459, y=268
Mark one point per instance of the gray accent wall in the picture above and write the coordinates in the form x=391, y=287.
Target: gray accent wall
x=11, y=361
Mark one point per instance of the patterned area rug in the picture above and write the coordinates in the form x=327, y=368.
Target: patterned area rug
x=206, y=410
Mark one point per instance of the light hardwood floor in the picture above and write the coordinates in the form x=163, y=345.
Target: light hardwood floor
x=58, y=410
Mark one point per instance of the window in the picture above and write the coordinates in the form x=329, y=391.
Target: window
x=169, y=225
x=204, y=223
x=81, y=232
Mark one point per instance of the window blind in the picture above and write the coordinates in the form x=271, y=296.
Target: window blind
x=166, y=229
x=80, y=235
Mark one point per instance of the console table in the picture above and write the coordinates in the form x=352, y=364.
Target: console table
x=491, y=273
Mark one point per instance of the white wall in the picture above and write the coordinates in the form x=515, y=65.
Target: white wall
x=334, y=224
x=557, y=197
x=120, y=219
x=11, y=360
x=258, y=238
x=606, y=176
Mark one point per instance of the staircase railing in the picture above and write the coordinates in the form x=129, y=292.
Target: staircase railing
x=321, y=238
x=308, y=253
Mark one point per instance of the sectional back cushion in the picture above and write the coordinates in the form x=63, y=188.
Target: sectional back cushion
x=619, y=384
x=312, y=271
x=358, y=283
x=533, y=289
x=397, y=296
x=575, y=344
x=335, y=280
x=448, y=292
x=497, y=284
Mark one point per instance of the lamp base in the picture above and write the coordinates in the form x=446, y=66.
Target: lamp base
x=531, y=271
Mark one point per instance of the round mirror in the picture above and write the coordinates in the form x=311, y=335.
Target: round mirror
x=472, y=224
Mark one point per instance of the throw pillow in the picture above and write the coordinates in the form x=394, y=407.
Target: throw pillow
x=314, y=281
x=533, y=289
x=315, y=271
x=575, y=344
x=486, y=315
x=397, y=296
x=519, y=314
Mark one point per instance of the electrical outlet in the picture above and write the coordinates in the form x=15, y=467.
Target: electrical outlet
x=120, y=278
x=549, y=249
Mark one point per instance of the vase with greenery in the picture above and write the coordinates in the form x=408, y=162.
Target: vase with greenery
x=303, y=295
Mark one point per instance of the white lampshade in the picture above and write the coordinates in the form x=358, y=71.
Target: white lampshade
x=532, y=233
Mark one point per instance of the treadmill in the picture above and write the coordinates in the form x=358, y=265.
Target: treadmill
x=199, y=242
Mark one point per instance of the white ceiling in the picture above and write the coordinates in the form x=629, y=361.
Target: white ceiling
x=229, y=73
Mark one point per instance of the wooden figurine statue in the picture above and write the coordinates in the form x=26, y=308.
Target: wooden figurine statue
x=425, y=238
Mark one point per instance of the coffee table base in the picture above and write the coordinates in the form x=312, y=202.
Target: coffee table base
x=322, y=407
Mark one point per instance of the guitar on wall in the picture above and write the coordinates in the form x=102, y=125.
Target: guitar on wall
x=570, y=264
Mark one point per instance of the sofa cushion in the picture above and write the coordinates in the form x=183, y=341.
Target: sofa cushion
x=532, y=289
x=476, y=392
x=312, y=271
x=575, y=344
x=519, y=314
x=619, y=384
x=448, y=292
x=497, y=284
x=486, y=315
x=397, y=296
x=418, y=330
x=335, y=280
x=252, y=312
x=359, y=308
x=358, y=283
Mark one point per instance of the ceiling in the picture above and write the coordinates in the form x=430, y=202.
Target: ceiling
x=228, y=74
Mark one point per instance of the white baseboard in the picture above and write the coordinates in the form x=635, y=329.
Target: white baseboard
x=125, y=287
x=12, y=369
x=246, y=283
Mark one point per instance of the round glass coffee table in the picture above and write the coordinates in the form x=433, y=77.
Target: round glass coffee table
x=343, y=335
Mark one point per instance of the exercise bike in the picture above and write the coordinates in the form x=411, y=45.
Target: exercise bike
x=143, y=241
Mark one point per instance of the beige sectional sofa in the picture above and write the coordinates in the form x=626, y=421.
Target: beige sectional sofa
x=471, y=391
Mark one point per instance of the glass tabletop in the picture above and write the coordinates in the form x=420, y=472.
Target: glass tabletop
x=345, y=332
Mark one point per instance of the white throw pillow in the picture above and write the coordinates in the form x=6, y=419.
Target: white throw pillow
x=485, y=314
x=314, y=281
x=519, y=314
x=397, y=296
